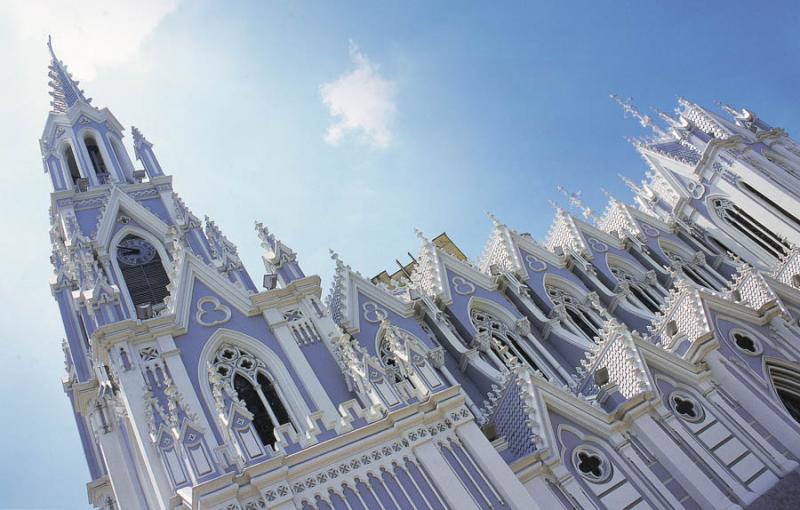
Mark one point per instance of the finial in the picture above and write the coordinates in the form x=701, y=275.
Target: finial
x=631, y=110
x=64, y=90
x=493, y=219
x=554, y=205
x=630, y=184
x=742, y=115
x=608, y=195
x=576, y=201
x=138, y=137
x=335, y=256
x=732, y=111
x=263, y=232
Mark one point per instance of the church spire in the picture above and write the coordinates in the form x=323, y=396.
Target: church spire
x=64, y=89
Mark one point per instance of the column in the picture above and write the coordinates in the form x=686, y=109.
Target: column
x=440, y=473
x=126, y=488
x=493, y=466
x=305, y=373
x=679, y=465
x=756, y=404
x=132, y=395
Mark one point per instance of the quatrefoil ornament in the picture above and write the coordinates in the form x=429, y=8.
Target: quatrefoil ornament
x=211, y=312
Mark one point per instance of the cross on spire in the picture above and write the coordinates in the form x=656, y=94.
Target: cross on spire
x=630, y=184
x=644, y=120
x=63, y=88
x=576, y=202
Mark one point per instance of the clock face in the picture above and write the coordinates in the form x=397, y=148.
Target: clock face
x=135, y=252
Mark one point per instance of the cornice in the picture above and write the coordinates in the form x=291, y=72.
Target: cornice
x=292, y=294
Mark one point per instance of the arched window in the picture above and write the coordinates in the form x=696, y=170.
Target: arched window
x=96, y=158
x=504, y=342
x=768, y=201
x=644, y=295
x=785, y=378
x=249, y=378
x=143, y=273
x=582, y=319
x=72, y=165
x=753, y=229
x=120, y=154
x=693, y=271
x=390, y=361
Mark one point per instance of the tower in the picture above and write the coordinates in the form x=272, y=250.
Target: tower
x=192, y=388
x=644, y=358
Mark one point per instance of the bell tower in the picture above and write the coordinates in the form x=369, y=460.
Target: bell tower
x=192, y=388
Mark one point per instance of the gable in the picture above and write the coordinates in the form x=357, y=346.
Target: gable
x=120, y=202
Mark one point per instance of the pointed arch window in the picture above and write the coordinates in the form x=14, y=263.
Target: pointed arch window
x=506, y=344
x=121, y=155
x=389, y=360
x=753, y=229
x=72, y=164
x=785, y=378
x=254, y=387
x=581, y=318
x=699, y=275
x=143, y=273
x=98, y=163
x=643, y=295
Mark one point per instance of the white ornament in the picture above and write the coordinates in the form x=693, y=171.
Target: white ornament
x=209, y=307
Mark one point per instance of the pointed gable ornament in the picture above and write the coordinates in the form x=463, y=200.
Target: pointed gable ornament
x=617, y=353
x=500, y=250
x=223, y=252
x=564, y=234
x=427, y=276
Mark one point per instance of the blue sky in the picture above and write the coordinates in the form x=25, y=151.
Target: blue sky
x=444, y=111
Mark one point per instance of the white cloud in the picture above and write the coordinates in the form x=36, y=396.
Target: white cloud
x=361, y=102
x=89, y=34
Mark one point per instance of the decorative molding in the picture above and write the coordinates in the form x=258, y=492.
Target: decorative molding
x=203, y=311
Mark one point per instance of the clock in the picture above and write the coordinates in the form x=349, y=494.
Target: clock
x=133, y=251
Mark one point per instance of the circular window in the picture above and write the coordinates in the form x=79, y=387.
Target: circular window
x=745, y=342
x=592, y=465
x=686, y=407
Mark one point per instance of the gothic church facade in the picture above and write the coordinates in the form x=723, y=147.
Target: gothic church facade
x=643, y=358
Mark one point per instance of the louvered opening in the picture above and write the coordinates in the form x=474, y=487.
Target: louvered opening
x=147, y=282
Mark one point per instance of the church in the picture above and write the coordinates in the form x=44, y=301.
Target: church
x=645, y=357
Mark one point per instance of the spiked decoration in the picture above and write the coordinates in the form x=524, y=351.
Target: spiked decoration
x=63, y=88
x=644, y=120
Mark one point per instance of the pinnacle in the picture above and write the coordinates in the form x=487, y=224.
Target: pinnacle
x=64, y=89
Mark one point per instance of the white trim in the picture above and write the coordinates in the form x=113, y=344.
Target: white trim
x=117, y=201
